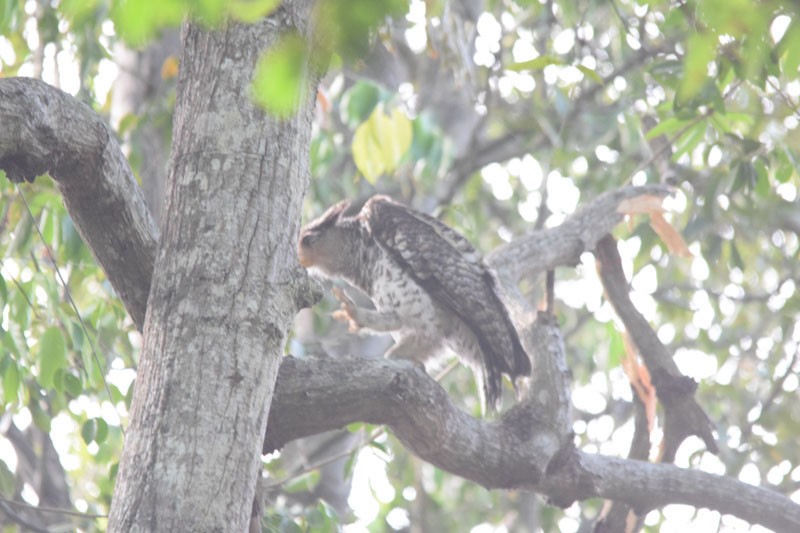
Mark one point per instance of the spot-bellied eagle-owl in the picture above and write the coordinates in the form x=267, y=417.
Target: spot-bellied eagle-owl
x=430, y=287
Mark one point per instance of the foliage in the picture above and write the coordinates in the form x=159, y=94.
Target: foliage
x=500, y=117
x=62, y=371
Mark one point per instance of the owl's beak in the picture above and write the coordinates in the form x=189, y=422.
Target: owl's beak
x=303, y=256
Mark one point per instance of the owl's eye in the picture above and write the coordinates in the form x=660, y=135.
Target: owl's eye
x=308, y=239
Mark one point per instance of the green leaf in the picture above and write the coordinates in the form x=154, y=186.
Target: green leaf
x=209, y=12
x=88, y=430
x=7, y=479
x=350, y=463
x=101, y=430
x=736, y=257
x=733, y=122
x=791, y=44
x=761, y=186
x=79, y=12
x=6, y=16
x=47, y=223
x=746, y=177
x=690, y=139
x=537, y=63
x=73, y=243
x=251, y=10
x=666, y=127
x=127, y=123
x=72, y=384
x=590, y=73
x=349, y=25
x=11, y=382
x=22, y=236
x=112, y=471
x=9, y=344
x=279, y=81
x=616, y=347
x=355, y=427
x=52, y=355
x=40, y=418
x=358, y=102
x=686, y=103
x=303, y=482
x=667, y=72
x=701, y=50
x=116, y=394
x=713, y=248
x=785, y=169
x=381, y=142
x=379, y=446
x=58, y=380
x=137, y=22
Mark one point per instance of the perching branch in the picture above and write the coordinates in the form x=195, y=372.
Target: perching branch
x=314, y=395
x=44, y=130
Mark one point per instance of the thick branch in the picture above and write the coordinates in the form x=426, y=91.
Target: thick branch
x=225, y=287
x=44, y=130
x=651, y=485
x=683, y=415
x=315, y=395
x=537, y=252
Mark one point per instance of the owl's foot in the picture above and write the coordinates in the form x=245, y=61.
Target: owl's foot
x=348, y=312
x=364, y=321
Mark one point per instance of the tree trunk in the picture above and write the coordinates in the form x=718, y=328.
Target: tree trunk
x=225, y=288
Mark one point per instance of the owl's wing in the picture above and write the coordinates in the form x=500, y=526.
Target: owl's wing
x=449, y=268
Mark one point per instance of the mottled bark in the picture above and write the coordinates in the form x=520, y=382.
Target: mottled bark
x=225, y=288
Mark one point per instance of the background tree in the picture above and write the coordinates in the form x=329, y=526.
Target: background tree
x=501, y=118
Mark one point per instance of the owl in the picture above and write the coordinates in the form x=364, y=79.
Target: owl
x=430, y=287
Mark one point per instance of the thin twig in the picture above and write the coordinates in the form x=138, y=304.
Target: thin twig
x=67, y=512
x=71, y=300
x=21, y=520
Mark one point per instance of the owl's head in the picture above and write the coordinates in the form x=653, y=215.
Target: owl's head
x=323, y=242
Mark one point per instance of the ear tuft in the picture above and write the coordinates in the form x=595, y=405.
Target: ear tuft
x=339, y=209
x=329, y=218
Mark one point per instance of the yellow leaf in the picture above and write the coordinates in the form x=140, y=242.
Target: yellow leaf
x=381, y=142
x=395, y=137
x=169, y=68
x=365, y=151
x=671, y=237
x=639, y=377
x=652, y=205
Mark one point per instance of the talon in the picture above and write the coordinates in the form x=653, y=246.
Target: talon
x=347, y=312
x=344, y=316
x=342, y=297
